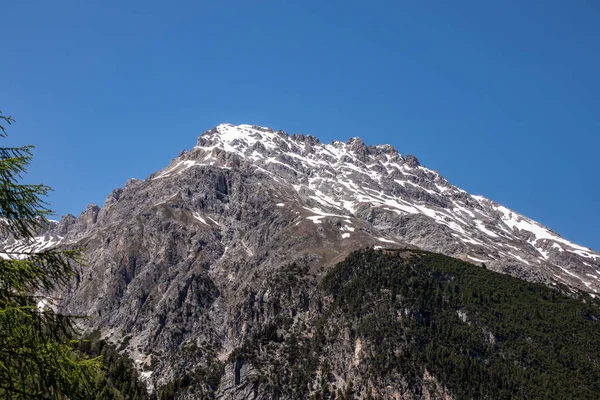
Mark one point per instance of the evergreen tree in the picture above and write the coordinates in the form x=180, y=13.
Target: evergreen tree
x=37, y=358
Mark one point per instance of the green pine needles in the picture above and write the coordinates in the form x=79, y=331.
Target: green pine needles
x=38, y=359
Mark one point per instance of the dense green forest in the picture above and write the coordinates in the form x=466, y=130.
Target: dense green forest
x=117, y=379
x=481, y=334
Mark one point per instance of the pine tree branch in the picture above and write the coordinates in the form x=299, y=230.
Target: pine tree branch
x=37, y=355
x=9, y=120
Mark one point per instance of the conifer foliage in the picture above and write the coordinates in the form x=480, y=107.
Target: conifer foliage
x=37, y=357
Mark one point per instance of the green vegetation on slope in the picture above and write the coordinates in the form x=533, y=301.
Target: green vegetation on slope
x=410, y=323
x=117, y=379
x=480, y=333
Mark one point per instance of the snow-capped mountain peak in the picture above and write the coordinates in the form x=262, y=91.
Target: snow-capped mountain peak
x=378, y=184
x=370, y=195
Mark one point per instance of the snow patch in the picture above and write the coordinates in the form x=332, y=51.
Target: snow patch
x=199, y=217
x=42, y=304
x=485, y=230
x=478, y=259
x=316, y=219
x=520, y=258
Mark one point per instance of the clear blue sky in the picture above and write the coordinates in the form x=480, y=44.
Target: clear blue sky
x=502, y=98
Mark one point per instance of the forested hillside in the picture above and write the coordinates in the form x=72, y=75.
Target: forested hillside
x=413, y=322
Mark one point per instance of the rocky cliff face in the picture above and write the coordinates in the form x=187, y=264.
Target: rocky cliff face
x=181, y=264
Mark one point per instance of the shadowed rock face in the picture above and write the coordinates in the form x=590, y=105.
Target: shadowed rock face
x=173, y=258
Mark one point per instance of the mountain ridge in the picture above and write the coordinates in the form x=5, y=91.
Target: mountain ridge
x=259, y=145
x=379, y=185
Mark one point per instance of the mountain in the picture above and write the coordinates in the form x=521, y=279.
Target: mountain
x=373, y=195
x=188, y=265
x=400, y=200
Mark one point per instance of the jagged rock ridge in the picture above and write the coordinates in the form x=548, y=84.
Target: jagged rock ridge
x=393, y=193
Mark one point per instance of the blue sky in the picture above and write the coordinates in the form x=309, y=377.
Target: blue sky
x=502, y=98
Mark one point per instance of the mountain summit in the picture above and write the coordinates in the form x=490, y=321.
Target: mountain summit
x=348, y=194
x=399, y=199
